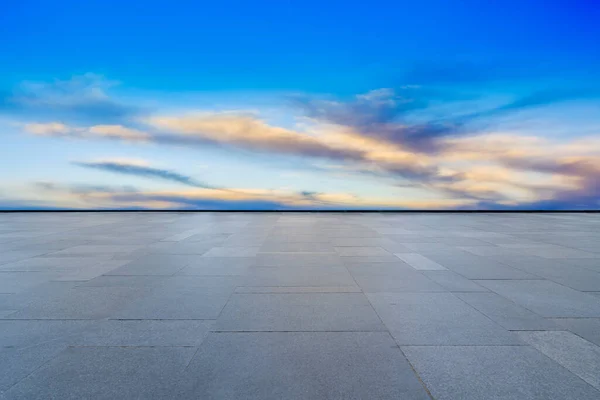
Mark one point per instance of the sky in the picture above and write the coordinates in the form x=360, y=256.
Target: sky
x=281, y=105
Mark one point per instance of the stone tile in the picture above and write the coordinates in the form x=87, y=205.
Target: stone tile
x=419, y=262
x=361, y=242
x=297, y=260
x=214, y=239
x=495, y=372
x=436, y=319
x=559, y=271
x=133, y=281
x=231, y=252
x=306, y=276
x=98, y=373
x=144, y=333
x=154, y=265
x=18, y=363
x=302, y=365
x=18, y=255
x=453, y=282
x=48, y=264
x=218, y=266
x=172, y=302
x=362, y=252
x=392, y=278
x=81, y=303
x=15, y=282
x=428, y=247
x=505, y=312
x=17, y=334
x=299, y=312
x=569, y=350
x=369, y=259
x=297, y=247
x=477, y=267
x=546, y=298
x=97, y=249
x=298, y=289
x=85, y=274
x=587, y=328
x=38, y=294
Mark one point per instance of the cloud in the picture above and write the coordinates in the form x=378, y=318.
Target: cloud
x=82, y=99
x=243, y=131
x=414, y=137
x=115, y=132
x=384, y=114
x=135, y=169
x=536, y=99
x=89, y=196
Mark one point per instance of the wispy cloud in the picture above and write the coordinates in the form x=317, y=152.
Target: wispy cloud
x=143, y=171
x=383, y=114
x=243, y=131
x=81, y=99
x=405, y=137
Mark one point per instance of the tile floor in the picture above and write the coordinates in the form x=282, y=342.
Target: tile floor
x=299, y=306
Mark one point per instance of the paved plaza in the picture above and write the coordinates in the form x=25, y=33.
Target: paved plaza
x=300, y=306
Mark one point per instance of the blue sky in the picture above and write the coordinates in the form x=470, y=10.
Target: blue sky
x=236, y=104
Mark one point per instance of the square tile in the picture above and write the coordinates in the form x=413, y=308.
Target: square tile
x=98, y=373
x=431, y=319
x=494, y=372
x=299, y=312
x=569, y=350
x=506, y=313
x=302, y=365
x=546, y=298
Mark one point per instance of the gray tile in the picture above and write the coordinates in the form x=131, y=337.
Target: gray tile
x=302, y=365
x=495, y=372
x=362, y=242
x=587, y=328
x=18, y=255
x=362, y=251
x=218, y=266
x=436, y=319
x=98, y=373
x=306, y=276
x=17, y=334
x=154, y=265
x=417, y=261
x=297, y=247
x=48, y=264
x=298, y=289
x=143, y=333
x=506, y=313
x=294, y=238
x=231, y=252
x=299, y=312
x=369, y=259
x=172, y=302
x=87, y=273
x=81, y=303
x=387, y=277
x=15, y=282
x=453, y=282
x=18, y=363
x=97, y=249
x=297, y=260
x=134, y=281
x=546, y=298
x=477, y=267
x=559, y=271
x=569, y=350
